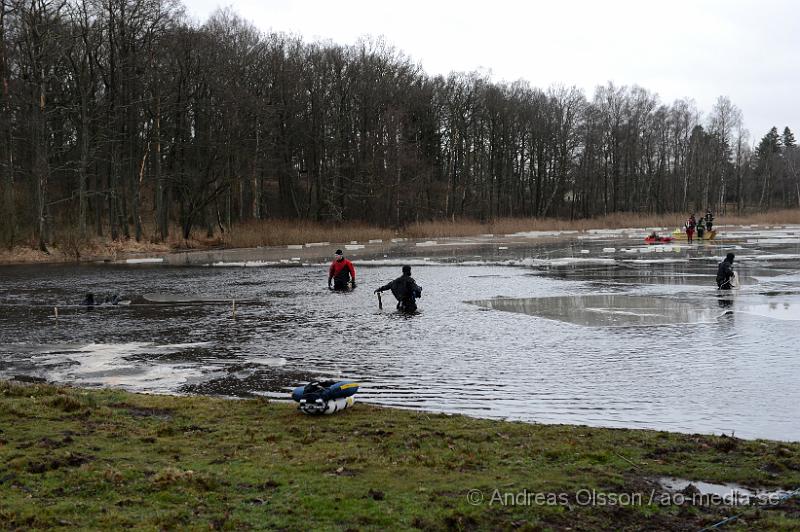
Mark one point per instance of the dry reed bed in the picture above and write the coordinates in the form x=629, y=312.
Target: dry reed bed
x=283, y=232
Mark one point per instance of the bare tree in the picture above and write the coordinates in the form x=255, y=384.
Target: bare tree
x=6, y=145
x=125, y=113
x=725, y=119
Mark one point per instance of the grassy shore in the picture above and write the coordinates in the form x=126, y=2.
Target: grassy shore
x=106, y=459
x=283, y=232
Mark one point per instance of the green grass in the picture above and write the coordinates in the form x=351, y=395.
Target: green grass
x=103, y=459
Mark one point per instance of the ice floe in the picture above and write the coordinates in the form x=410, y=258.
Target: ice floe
x=148, y=260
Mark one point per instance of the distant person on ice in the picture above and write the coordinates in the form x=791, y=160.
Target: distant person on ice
x=405, y=289
x=701, y=228
x=725, y=273
x=341, y=272
x=691, y=223
x=709, y=217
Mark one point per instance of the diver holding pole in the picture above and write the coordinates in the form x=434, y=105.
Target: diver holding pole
x=405, y=289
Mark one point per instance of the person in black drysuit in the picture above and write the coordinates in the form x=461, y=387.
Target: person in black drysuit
x=701, y=228
x=709, y=217
x=405, y=289
x=725, y=272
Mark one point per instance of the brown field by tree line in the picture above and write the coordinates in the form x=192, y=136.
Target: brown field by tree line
x=285, y=232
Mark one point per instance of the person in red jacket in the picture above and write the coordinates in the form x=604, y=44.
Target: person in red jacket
x=691, y=224
x=341, y=272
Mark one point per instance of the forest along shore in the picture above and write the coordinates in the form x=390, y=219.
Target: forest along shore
x=108, y=458
x=283, y=240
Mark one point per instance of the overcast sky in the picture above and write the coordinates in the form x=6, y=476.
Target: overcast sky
x=748, y=50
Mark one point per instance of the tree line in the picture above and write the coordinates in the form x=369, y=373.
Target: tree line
x=124, y=119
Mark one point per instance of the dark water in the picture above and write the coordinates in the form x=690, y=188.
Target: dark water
x=636, y=336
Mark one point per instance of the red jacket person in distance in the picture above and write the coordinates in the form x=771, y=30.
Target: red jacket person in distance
x=341, y=272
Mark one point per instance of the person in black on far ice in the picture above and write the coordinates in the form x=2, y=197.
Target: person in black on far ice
x=725, y=273
x=709, y=218
x=405, y=289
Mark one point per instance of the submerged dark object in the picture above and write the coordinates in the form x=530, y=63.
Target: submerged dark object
x=110, y=299
x=325, y=397
x=338, y=287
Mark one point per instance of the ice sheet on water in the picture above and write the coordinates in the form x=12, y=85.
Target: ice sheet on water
x=529, y=262
x=783, y=310
x=393, y=262
x=573, y=261
x=540, y=234
x=607, y=310
x=608, y=231
x=245, y=264
x=780, y=234
x=559, y=262
x=789, y=278
x=773, y=257
x=655, y=261
x=116, y=364
x=767, y=241
x=148, y=260
x=267, y=360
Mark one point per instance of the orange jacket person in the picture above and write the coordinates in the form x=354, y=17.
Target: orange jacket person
x=341, y=272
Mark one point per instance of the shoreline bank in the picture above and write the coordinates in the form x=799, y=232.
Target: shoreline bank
x=106, y=458
x=321, y=252
x=284, y=239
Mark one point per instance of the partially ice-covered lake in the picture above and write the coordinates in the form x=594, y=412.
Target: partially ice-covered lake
x=596, y=328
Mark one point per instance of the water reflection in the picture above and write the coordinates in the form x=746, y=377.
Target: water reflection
x=724, y=302
x=785, y=310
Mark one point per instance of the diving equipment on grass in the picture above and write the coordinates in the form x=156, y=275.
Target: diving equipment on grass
x=325, y=397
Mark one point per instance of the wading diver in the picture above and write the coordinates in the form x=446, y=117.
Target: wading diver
x=725, y=273
x=341, y=273
x=405, y=289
